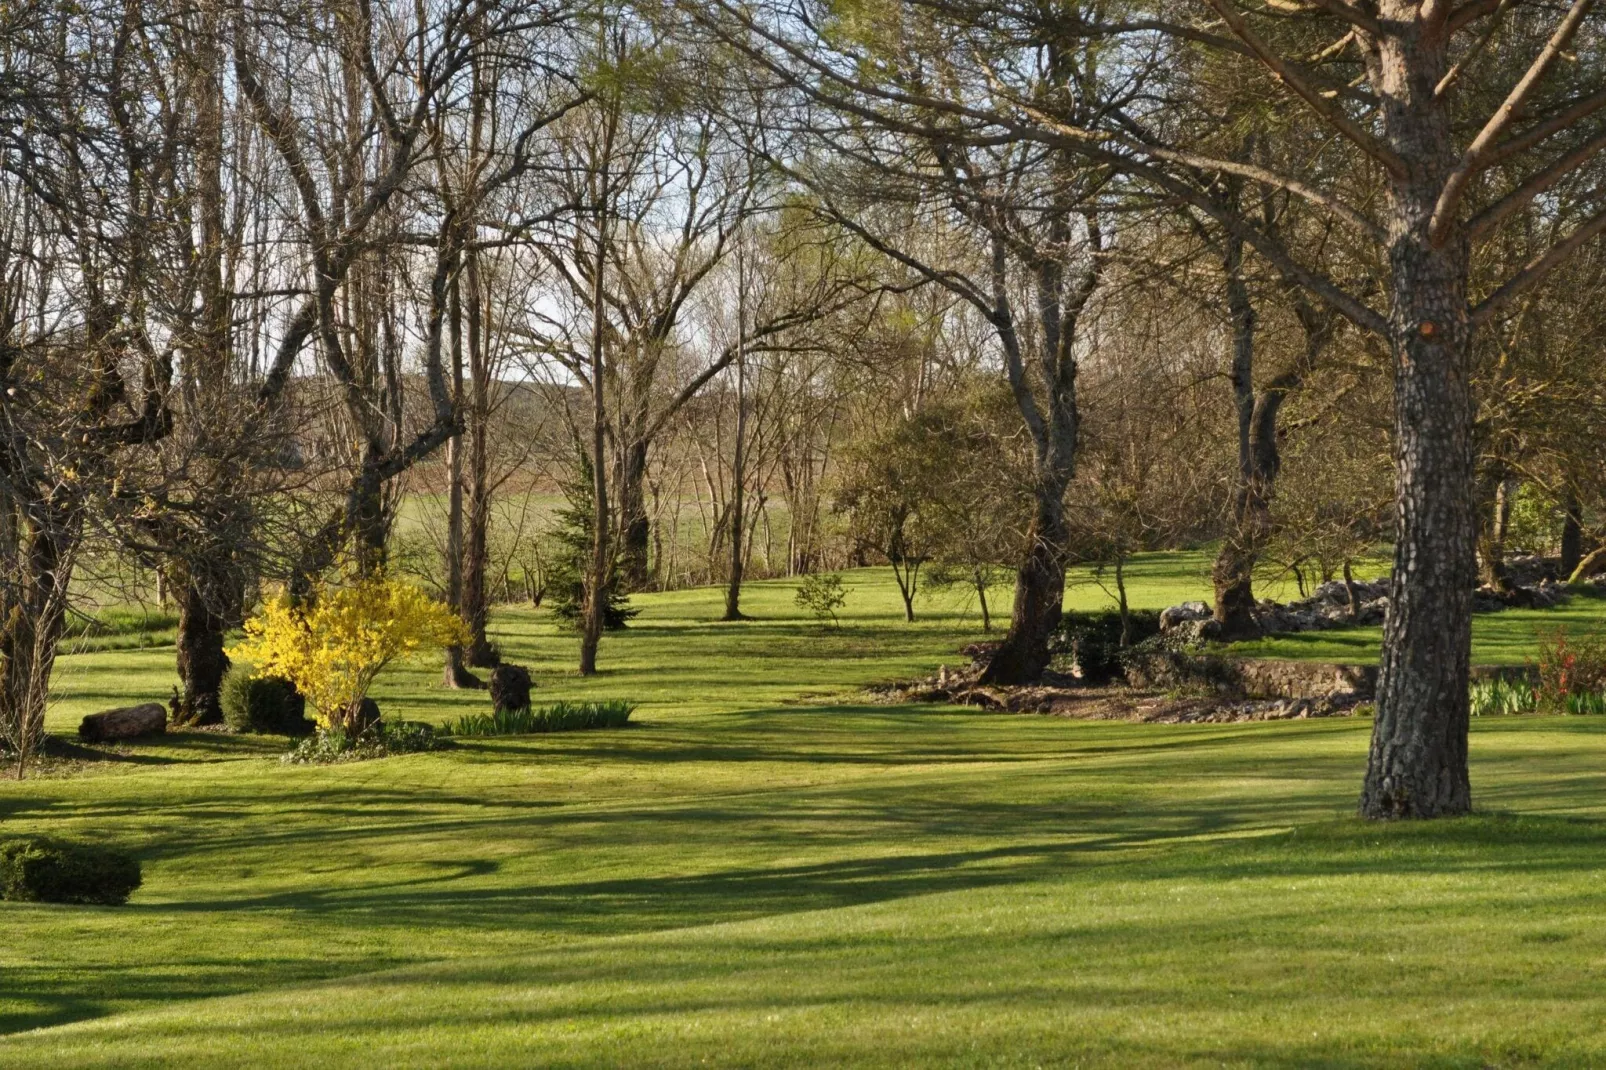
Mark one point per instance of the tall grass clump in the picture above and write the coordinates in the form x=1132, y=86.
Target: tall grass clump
x=528, y=720
x=1501, y=697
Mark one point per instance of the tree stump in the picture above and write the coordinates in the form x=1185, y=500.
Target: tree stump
x=125, y=722
x=510, y=687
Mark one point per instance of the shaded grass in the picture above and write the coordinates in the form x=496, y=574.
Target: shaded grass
x=865, y=885
x=765, y=871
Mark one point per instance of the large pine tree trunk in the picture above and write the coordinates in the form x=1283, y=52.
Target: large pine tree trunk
x=1418, y=761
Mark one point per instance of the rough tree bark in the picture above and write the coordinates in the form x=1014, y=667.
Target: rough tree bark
x=1418, y=761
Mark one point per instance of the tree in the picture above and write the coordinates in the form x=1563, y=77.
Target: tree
x=83, y=383
x=1464, y=120
x=568, y=569
x=993, y=221
x=937, y=486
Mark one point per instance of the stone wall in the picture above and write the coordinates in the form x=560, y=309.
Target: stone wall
x=1170, y=669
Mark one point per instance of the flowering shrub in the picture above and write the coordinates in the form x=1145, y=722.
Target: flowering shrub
x=333, y=648
x=1571, y=672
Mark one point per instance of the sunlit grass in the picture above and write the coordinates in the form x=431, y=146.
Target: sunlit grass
x=762, y=869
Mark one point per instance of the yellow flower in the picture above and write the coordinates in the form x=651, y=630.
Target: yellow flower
x=333, y=648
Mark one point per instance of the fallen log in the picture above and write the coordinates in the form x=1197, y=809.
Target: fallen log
x=1593, y=565
x=125, y=722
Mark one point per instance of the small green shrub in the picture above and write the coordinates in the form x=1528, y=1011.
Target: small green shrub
x=38, y=869
x=1501, y=697
x=268, y=705
x=330, y=746
x=821, y=594
x=558, y=717
x=1091, y=641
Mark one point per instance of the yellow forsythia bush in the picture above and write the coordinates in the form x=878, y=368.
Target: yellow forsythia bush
x=333, y=647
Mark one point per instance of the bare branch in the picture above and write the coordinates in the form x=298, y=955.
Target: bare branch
x=1537, y=268
x=1472, y=161
x=1326, y=109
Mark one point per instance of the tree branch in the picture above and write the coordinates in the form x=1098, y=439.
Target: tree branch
x=1472, y=161
x=1537, y=269
x=1284, y=73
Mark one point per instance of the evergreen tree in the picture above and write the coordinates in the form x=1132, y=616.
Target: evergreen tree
x=572, y=553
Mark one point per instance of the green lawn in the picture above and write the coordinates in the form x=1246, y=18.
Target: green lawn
x=1509, y=637
x=765, y=871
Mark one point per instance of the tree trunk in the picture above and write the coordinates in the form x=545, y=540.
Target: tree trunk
x=1418, y=761
x=733, y=587
x=635, y=532
x=202, y=622
x=1039, y=596
x=367, y=518
x=907, y=574
x=1120, y=592
x=1572, y=535
x=1496, y=520
x=456, y=674
x=1232, y=575
x=31, y=617
x=476, y=534
x=1040, y=580
x=125, y=722
x=596, y=594
x=981, y=597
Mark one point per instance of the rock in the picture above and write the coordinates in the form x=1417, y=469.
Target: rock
x=125, y=722
x=1196, y=632
x=1186, y=613
x=510, y=687
x=368, y=714
x=1530, y=570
